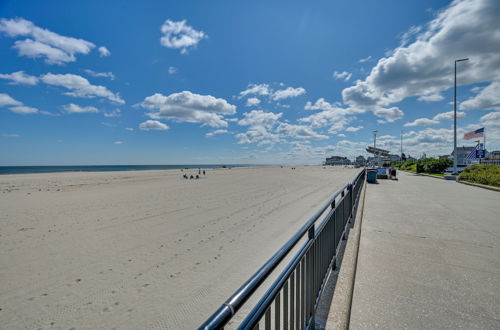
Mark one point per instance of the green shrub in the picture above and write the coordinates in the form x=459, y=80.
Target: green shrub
x=483, y=174
x=428, y=165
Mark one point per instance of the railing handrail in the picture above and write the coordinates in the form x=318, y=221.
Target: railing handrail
x=224, y=313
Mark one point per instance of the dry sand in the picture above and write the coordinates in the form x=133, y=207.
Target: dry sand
x=146, y=249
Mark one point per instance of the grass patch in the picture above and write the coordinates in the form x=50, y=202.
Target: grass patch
x=483, y=174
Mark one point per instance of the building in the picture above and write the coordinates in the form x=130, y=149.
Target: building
x=391, y=158
x=360, y=160
x=445, y=157
x=337, y=160
x=462, y=152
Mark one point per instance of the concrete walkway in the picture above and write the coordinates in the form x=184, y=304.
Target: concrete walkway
x=429, y=256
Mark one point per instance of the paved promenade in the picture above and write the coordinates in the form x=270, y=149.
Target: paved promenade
x=429, y=256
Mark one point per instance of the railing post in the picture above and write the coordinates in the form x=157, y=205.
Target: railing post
x=349, y=188
x=334, y=226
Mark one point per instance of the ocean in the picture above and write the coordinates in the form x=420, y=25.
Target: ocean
x=101, y=168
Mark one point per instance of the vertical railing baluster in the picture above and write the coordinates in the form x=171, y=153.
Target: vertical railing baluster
x=297, y=300
x=277, y=311
x=267, y=320
x=285, y=306
x=292, y=301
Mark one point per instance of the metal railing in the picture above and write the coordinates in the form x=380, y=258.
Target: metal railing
x=292, y=299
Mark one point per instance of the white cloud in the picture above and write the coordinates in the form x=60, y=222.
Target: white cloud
x=487, y=99
x=288, y=93
x=23, y=110
x=341, y=135
x=129, y=128
x=11, y=135
x=466, y=28
x=113, y=113
x=389, y=115
x=179, y=35
x=109, y=75
x=218, y=131
x=253, y=101
x=56, y=49
x=431, y=98
x=448, y=115
x=103, y=51
x=366, y=59
x=74, y=108
x=260, y=89
x=299, y=132
x=421, y=122
x=260, y=118
x=172, y=70
x=118, y=142
x=153, y=125
x=80, y=87
x=189, y=107
x=20, y=78
x=332, y=116
x=6, y=100
x=345, y=76
x=353, y=128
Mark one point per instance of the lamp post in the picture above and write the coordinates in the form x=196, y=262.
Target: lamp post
x=455, y=156
x=375, y=145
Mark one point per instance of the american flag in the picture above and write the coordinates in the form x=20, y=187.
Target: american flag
x=474, y=134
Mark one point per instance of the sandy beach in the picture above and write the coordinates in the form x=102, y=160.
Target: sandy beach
x=144, y=249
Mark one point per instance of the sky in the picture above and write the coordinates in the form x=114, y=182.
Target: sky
x=233, y=82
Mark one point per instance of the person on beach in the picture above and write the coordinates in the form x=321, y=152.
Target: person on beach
x=203, y=172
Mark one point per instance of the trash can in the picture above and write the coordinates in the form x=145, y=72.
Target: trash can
x=371, y=175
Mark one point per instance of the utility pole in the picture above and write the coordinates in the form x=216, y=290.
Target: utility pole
x=455, y=156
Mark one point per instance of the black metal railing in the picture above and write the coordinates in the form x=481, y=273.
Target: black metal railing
x=290, y=302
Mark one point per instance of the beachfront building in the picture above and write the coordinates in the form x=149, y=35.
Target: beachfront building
x=337, y=160
x=360, y=161
x=462, y=152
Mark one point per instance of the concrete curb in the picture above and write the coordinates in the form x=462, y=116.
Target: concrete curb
x=479, y=185
x=340, y=308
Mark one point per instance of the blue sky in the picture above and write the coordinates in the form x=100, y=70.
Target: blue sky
x=176, y=82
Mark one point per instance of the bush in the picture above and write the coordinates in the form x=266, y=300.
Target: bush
x=428, y=165
x=483, y=174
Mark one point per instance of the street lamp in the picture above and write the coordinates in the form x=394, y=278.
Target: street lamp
x=455, y=156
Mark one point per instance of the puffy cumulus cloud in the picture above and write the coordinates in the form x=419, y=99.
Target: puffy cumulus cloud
x=24, y=110
x=189, y=107
x=42, y=43
x=299, y=132
x=260, y=118
x=74, y=108
x=18, y=107
x=491, y=119
x=217, y=131
x=487, y=99
x=93, y=73
x=256, y=89
x=252, y=101
x=466, y=28
x=20, y=78
x=6, y=100
x=259, y=135
x=113, y=113
x=431, y=98
x=421, y=122
x=80, y=87
x=103, y=51
x=448, y=115
x=353, y=128
x=366, y=59
x=436, y=120
x=149, y=125
x=288, y=93
x=179, y=35
x=344, y=75
x=389, y=115
x=330, y=115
